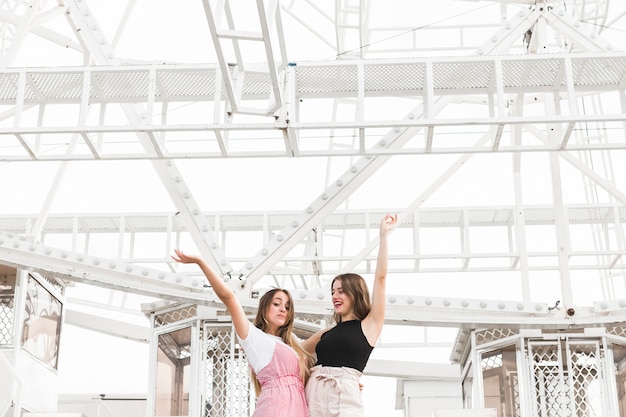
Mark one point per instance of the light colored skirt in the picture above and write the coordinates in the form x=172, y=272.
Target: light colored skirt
x=334, y=392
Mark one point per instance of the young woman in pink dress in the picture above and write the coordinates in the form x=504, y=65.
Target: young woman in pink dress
x=280, y=367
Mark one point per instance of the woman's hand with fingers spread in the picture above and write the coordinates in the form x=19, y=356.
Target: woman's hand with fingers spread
x=181, y=257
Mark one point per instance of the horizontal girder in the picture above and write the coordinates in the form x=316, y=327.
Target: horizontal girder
x=258, y=225
x=491, y=83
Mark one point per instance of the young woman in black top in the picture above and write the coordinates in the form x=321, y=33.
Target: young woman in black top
x=333, y=388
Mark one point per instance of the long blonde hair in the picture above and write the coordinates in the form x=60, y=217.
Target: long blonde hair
x=285, y=332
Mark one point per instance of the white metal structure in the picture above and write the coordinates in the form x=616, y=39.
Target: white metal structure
x=271, y=136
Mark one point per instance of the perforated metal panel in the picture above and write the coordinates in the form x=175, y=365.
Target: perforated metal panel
x=57, y=86
x=175, y=316
x=461, y=76
x=324, y=80
x=7, y=303
x=405, y=77
x=191, y=83
x=567, y=378
x=492, y=335
x=227, y=390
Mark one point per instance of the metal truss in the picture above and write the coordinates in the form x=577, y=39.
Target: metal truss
x=466, y=222
x=488, y=101
x=492, y=80
x=125, y=275
x=175, y=288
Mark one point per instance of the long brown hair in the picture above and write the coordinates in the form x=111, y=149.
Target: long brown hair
x=356, y=288
x=285, y=332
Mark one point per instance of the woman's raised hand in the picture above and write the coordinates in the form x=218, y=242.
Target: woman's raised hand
x=388, y=222
x=181, y=257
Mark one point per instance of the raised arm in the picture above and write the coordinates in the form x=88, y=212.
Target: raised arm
x=373, y=323
x=225, y=294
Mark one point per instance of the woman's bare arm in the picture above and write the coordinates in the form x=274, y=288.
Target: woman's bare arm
x=224, y=293
x=373, y=323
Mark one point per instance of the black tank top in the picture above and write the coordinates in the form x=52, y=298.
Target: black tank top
x=344, y=345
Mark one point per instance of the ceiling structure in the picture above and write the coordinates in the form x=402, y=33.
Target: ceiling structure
x=271, y=138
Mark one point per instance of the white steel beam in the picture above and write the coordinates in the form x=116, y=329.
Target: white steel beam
x=107, y=325
x=100, y=52
x=512, y=31
x=309, y=265
x=23, y=137
x=153, y=222
x=352, y=28
x=21, y=30
x=108, y=273
x=609, y=186
x=402, y=309
x=471, y=313
x=570, y=76
x=530, y=25
x=227, y=78
x=328, y=201
x=306, y=11
x=45, y=33
x=579, y=33
x=269, y=37
x=519, y=215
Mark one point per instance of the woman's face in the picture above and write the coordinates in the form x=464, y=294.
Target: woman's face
x=341, y=301
x=278, y=311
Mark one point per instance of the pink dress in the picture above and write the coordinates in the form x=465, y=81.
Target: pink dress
x=278, y=370
x=282, y=389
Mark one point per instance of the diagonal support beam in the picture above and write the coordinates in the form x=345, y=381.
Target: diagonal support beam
x=171, y=177
x=270, y=37
x=584, y=169
x=107, y=273
x=512, y=31
x=579, y=33
x=330, y=199
x=410, y=210
x=528, y=21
